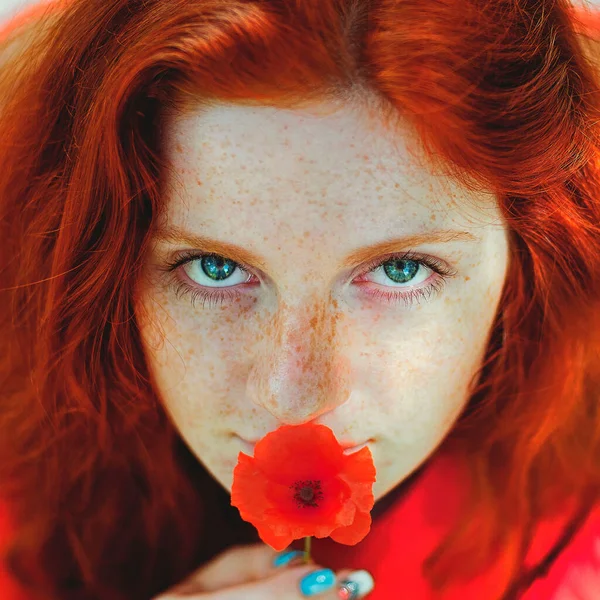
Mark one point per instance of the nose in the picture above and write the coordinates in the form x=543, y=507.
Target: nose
x=300, y=371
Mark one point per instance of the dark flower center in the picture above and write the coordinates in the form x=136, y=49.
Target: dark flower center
x=307, y=493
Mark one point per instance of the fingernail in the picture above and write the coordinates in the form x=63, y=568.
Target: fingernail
x=356, y=585
x=285, y=558
x=317, y=582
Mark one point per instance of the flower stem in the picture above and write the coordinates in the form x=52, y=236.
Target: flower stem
x=307, y=558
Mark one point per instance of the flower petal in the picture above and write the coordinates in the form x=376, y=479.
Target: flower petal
x=248, y=494
x=297, y=450
x=277, y=542
x=301, y=529
x=362, y=496
x=359, y=467
x=360, y=474
x=247, y=481
x=279, y=526
x=354, y=533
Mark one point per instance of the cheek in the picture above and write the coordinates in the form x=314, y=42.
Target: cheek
x=420, y=383
x=191, y=355
x=418, y=376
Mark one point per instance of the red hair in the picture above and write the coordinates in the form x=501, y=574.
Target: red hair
x=108, y=499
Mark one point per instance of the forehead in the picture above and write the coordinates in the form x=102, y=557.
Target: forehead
x=338, y=164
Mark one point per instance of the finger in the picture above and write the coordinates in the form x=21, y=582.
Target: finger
x=346, y=584
x=295, y=583
x=237, y=565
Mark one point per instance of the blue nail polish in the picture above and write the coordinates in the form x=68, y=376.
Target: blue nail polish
x=286, y=557
x=317, y=582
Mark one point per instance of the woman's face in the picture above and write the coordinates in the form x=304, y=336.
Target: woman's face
x=306, y=332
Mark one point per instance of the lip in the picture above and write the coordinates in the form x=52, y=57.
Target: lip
x=353, y=449
x=247, y=447
x=351, y=444
x=348, y=448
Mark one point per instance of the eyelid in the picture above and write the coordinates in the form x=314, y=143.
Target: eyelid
x=438, y=266
x=443, y=272
x=441, y=267
x=376, y=262
x=187, y=256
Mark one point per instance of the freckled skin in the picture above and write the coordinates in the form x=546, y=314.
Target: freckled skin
x=305, y=343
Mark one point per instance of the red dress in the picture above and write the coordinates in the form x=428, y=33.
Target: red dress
x=402, y=536
x=405, y=534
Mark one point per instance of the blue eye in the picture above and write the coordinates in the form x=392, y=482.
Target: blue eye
x=399, y=269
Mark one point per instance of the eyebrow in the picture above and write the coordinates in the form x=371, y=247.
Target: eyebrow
x=360, y=255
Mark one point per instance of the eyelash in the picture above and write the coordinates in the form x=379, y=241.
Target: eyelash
x=442, y=272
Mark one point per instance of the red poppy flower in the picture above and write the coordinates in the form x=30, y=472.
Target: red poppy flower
x=300, y=484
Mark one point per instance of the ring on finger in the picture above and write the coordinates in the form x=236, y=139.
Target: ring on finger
x=348, y=590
